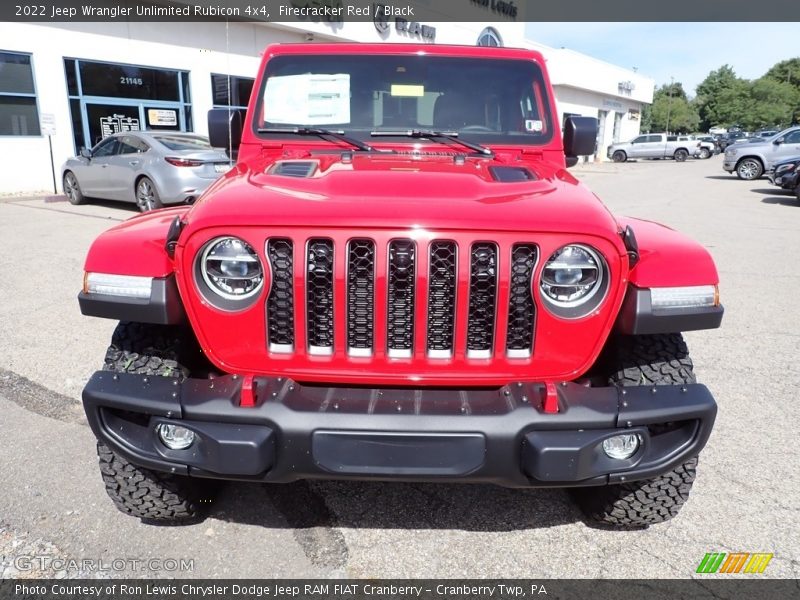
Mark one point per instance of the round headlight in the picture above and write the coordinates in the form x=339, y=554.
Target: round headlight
x=573, y=279
x=231, y=268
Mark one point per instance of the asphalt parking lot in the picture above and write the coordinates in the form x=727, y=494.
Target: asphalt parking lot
x=746, y=498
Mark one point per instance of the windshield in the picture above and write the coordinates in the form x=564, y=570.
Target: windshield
x=479, y=99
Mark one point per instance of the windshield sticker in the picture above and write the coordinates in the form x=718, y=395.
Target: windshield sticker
x=408, y=90
x=308, y=99
x=531, y=125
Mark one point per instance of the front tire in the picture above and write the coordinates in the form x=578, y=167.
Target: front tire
x=159, y=351
x=681, y=155
x=643, y=360
x=749, y=169
x=705, y=153
x=72, y=189
x=619, y=156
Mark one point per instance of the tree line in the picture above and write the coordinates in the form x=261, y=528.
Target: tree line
x=725, y=100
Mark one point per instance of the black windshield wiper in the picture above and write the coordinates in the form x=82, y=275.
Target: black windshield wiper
x=430, y=133
x=339, y=135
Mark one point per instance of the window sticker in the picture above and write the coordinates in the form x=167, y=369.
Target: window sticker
x=532, y=125
x=308, y=99
x=407, y=90
x=159, y=117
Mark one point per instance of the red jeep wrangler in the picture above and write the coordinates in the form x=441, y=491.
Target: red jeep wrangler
x=399, y=280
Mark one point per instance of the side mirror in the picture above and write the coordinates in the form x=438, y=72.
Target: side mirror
x=225, y=128
x=86, y=153
x=778, y=142
x=580, y=137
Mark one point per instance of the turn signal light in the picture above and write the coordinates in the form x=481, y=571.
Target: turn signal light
x=183, y=162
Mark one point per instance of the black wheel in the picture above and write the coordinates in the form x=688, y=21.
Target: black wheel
x=72, y=189
x=643, y=360
x=681, y=155
x=705, y=153
x=147, y=196
x=797, y=193
x=749, y=169
x=159, y=351
x=619, y=156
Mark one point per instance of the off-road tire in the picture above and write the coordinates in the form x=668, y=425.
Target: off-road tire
x=705, y=153
x=619, y=156
x=681, y=155
x=148, y=495
x=156, y=350
x=642, y=360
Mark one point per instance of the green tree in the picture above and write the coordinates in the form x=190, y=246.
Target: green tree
x=772, y=103
x=714, y=95
x=787, y=71
x=671, y=110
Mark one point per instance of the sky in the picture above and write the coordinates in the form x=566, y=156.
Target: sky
x=686, y=51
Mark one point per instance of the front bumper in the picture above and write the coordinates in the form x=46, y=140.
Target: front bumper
x=729, y=164
x=501, y=436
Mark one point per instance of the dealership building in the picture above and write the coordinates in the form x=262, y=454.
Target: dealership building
x=66, y=85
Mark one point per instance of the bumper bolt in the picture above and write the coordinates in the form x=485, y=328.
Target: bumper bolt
x=629, y=424
x=624, y=392
x=336, y=406
x=683, y=390
x=563, y=384
x=291, y=388
x=506, y=392
x=274, y=394
x=169, y=414
x=146, y=380
x=653, y=390
x=174, y=394
x=624, y=404
x=525, y=399
x=519, y=384
x=463, y=410
x=175, y=383
x=115, y=377
x=399, y=409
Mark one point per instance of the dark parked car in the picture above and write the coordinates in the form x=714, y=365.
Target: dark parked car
x=787, y=175
x=150, y=168
x=730, y=138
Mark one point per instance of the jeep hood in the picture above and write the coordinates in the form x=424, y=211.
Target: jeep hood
x=402, y=192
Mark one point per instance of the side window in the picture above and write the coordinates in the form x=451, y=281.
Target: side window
x=673, y=138
x=792, y=138
x=654, y=138
x=105, y=148
x=132, y=145
x=640, y=140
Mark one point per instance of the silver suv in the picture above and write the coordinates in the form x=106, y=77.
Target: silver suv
x=752, y=160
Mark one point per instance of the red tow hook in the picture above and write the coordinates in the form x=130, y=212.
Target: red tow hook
x=248, y=395
x=550, y=398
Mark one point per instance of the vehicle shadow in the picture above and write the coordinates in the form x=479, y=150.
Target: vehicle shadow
x=389, y=505
x=775, y=190
x=723, y=177
x=783, y=200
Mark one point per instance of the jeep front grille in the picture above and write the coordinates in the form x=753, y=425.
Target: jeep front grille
x=319, y=296
x=397, y=298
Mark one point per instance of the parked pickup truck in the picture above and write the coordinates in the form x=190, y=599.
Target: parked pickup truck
x=654, y=145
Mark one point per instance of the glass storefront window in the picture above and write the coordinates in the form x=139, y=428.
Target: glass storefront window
x=19, y=114
x=229, y=90
x=126, y=81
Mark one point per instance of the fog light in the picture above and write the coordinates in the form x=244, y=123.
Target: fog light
x=175, y=437
x=621, y=446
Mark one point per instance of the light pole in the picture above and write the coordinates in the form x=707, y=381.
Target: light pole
x=669, y=101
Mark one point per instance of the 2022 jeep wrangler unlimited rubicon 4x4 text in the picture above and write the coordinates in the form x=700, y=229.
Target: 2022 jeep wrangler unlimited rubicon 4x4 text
x=399, y=280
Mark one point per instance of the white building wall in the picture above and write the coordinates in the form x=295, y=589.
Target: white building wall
x=236, y=50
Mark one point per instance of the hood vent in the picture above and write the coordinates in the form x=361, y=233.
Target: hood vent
x=294, y=168
x=511, y=174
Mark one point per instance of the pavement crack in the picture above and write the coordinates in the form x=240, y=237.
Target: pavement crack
x=38, y=399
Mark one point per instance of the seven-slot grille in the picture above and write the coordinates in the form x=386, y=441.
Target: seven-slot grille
x=384, y=292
